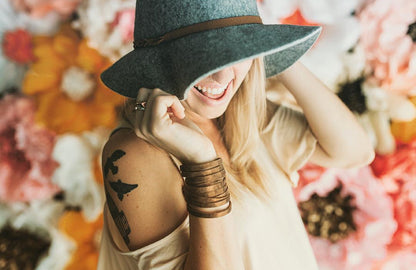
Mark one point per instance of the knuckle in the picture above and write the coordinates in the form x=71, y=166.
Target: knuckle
x=142, y=91
x=156, y=91
x=158, y=99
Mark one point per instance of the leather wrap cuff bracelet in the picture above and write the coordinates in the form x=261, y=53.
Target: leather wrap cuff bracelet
x=206, y=187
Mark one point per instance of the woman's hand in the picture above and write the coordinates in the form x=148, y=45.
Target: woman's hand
x=163, y=124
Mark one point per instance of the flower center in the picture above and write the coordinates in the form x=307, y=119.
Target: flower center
x=17, y=46
x=412, y=31
x=21, y=249
x=329, y=217
x=351, y=94
x=77, y=83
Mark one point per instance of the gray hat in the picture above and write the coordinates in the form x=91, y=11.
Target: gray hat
x=179, y=42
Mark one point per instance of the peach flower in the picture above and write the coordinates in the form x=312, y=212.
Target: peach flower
x=26, y=164
x=40, y=8
x=355, y=220
x=403, y=260
x=388, y=35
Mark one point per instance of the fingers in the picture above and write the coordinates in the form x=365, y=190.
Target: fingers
x=163, y=103
x=155, y=116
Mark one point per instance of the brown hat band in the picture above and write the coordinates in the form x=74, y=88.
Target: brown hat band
x=195, y=28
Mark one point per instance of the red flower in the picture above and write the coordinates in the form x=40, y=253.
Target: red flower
x=397, y=168
x=17, y=46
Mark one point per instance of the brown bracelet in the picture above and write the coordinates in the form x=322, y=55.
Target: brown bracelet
x=201, y=166
x=217, y=214
x=213, y=170
x=208, y=191
x=206, y=187
x=205, y=179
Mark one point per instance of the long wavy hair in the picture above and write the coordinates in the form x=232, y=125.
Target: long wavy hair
x=240, y=126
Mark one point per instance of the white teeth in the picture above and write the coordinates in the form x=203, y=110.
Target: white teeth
x=212, y=91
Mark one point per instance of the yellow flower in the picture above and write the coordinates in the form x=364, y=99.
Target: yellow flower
x=405, y=131
x=65, y=82
x=86, y=235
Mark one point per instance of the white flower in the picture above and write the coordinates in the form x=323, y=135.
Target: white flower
x=108, y=25
x=40, y=217
x=75, y=175
x=340, y=32
x=59, y=254
x=383, y=106
x=318, y=11
x=5, y=214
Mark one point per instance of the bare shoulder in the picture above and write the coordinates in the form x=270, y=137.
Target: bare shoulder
x=143, y=189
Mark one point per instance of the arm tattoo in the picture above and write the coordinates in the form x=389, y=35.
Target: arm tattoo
x=109, y=164
x=122, y=188
x=119, y=219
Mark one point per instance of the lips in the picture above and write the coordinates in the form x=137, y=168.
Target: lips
x=210, y=95
x=214, y=100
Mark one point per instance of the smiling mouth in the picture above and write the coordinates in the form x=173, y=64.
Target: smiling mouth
x=213, y=93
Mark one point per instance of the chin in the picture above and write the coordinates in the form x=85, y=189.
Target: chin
x=210, y=113
x=203, y=110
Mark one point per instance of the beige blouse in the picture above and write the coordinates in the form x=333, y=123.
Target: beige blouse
x=270, y=233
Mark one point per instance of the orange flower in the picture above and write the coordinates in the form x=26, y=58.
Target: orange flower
x=86, y=235
x=405, y=131
x=297, y=18
x=65, y=82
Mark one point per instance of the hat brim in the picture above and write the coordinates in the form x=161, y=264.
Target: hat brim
x=175, y=66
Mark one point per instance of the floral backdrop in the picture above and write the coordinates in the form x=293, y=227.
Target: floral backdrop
x=57, y=114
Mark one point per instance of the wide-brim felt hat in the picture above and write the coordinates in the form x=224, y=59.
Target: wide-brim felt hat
x=179, y=42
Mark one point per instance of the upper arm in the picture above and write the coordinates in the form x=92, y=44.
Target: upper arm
x=143, y=189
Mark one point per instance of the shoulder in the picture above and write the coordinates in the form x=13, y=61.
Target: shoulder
x=143, y=184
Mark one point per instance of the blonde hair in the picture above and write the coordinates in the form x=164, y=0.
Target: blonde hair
x=240, y=126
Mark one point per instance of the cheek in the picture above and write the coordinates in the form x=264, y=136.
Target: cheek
x=241, y=71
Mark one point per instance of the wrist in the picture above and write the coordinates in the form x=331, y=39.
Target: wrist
x=289, y=74
x=202, y=156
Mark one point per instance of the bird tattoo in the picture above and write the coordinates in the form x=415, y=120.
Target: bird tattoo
x=122, y=188
x=109, y=164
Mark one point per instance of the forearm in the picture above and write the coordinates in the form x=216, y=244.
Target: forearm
x=212, y=243
x=333, y=124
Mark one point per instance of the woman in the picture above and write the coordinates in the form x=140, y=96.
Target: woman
x=199, y=174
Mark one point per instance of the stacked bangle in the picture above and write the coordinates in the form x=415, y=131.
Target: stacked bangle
x=206, y=187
